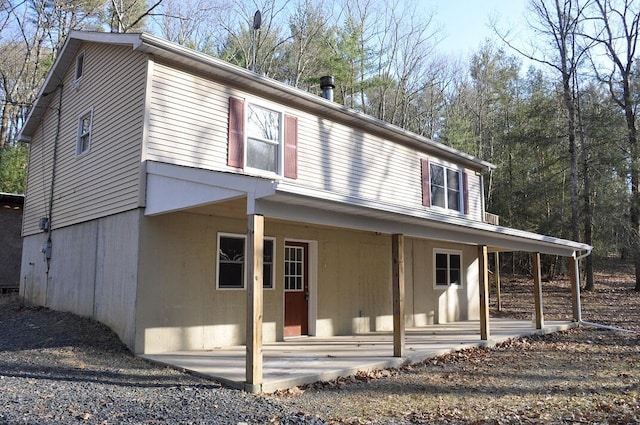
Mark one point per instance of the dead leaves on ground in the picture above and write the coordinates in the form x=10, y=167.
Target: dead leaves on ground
x=585, y=375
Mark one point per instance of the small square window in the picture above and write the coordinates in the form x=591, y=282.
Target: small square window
x=85, y=126
x=448, y=269
x=231, y=262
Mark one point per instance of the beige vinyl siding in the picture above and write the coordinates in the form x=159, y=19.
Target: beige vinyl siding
x=475, y=196
x=38, y=186
x=342, y=160
x=105, y=180
x=187, y=120
x=188, y=126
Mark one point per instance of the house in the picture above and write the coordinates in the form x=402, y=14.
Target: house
x=10, y=241
x=191, y=204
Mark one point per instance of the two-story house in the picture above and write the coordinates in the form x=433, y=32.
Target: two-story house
x=190, y=204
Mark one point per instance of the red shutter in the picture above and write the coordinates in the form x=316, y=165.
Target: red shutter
x=236, y=133
x=465, y=192
x=426, y=183
x=290, y=147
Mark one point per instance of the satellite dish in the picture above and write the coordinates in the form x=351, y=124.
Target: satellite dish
x=257, y=20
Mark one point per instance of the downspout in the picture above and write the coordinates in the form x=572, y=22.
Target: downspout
x=577, y=274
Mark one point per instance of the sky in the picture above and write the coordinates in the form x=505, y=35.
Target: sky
x=465, y=23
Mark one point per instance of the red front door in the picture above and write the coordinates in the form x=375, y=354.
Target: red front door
x=296, y=289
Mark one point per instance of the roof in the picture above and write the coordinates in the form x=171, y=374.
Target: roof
x=12, y=198
x=241, y=77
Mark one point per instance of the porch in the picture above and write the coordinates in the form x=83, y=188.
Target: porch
x=310, y=359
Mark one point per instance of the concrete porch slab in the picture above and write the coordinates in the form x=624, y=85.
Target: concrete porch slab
x=306, y=360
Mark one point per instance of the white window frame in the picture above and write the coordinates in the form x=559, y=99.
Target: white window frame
x=304, y=272
x=82, y=133
x=445, y=168
x=244, y=274
x=280, y=145
x=79, y=66
x=448, y=253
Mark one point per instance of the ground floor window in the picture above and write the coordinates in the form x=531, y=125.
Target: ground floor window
x=447, y=268
x=231, y=264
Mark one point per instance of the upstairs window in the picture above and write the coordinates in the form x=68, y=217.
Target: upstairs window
x=85, y=127
x=79, y=66
x=444, y=187
x=448, y=269
x=263, y=138
x=231, y=262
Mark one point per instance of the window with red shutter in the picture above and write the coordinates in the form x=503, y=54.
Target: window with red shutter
x=235, y=156
x=465, y=192
x=261, y=141
x=445, y=187
x=426, y=183
x=290, y=147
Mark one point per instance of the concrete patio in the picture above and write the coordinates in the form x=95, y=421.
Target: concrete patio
x=310, y=359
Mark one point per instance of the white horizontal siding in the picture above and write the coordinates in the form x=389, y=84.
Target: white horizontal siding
x=188, y=125
x=39, y=172
x=104, y=181
x=187, y=120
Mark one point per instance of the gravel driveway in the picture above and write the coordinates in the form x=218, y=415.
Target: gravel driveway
x=59, y=368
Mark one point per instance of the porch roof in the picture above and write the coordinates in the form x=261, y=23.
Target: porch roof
x=174, y=188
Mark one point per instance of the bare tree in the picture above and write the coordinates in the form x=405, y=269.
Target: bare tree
x=129, y=15
x=616, y=25
x=190, y=23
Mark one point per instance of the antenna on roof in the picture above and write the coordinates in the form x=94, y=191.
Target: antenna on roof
x=257, y=23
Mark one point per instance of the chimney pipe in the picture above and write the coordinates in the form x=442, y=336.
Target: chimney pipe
x=327, y=85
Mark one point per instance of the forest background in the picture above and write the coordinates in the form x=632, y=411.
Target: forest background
x=556, y=112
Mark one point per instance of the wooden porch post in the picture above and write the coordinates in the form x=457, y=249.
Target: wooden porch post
x=397, y=254
x=537, y=289
x=254, y=258
x=496, y=276
x=483, y=280
x=575, y=289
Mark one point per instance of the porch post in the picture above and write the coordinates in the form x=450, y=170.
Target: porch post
x=537, y=289
x=254, y=256
x=574, y=271
x=483, y=280
x=397, y=254
x=496, y=276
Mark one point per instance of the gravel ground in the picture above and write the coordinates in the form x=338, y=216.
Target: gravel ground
x=60, y=368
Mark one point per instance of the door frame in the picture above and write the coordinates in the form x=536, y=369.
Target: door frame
x=312, y=270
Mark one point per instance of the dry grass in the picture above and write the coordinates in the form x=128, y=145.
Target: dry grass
x=586, y=375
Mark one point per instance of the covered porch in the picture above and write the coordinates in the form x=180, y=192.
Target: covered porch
x=262, y=366
x=300, y=361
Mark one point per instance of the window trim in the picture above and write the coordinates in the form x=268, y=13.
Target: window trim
x=461, y=195
x=80, y=134
x=79, y=69
x=449, y=285
x=279, y=173
x=244, y=283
